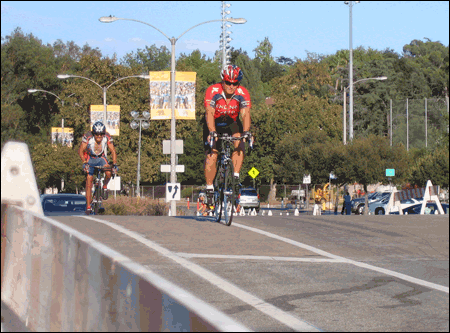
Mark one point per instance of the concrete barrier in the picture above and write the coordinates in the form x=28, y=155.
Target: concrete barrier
x=57, y=279
x=54, y=278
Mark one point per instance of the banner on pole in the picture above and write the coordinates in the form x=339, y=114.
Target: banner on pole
x=160, y=99
x=62, y=138
x=112, y=117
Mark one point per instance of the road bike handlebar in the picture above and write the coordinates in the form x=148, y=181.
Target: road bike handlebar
x=226, y=137
x=103, y=168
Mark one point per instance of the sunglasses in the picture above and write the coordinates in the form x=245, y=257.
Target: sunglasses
x=99, y=134
x=228, y=83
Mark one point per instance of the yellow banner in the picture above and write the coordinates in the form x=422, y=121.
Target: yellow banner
x=58, y=137
x=160, y=99
x=112, y=117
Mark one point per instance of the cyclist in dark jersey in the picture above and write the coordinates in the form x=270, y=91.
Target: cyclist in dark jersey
x=224, y=103
x=93, y=153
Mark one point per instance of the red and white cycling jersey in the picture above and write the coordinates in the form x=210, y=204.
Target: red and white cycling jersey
x=215, y=97
x=94, y=150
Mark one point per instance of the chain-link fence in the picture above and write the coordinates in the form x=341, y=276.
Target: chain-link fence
x=417, y=123
x=284, y=192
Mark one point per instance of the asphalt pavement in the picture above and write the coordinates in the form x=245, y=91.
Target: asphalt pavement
x=294, y=273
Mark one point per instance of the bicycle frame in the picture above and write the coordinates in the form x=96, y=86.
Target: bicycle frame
x=224, y=195
x=96, y=201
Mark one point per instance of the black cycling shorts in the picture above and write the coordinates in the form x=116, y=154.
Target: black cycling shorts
x=223, y=125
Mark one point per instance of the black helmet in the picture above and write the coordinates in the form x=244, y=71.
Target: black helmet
x=98, y=128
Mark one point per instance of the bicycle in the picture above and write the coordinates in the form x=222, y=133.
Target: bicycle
x=96, y=203
x=224, y=184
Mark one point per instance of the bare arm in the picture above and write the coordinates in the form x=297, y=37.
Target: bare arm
x=210, y=118
x=246, y=119
x=112, y=149
x=81, y=151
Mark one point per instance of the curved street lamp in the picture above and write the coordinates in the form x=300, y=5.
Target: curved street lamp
x=31, y=91
x=173, y=40
x=104, y=89
x=380, y=78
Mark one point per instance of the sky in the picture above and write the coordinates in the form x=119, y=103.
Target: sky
x=293, y=28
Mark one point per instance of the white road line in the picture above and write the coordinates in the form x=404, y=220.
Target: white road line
x=349, y=261
x=249, y=257
x=259, y=304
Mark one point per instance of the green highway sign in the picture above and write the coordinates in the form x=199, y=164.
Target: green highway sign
x=390, y=172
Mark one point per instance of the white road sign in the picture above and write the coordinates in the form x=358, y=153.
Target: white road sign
x=307, y=179
x=173, y=191
x=166, y=168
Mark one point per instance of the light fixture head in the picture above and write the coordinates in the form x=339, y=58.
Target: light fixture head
x=63, y=76
x=145, y=125
x=236, y=20
x=108, y=19
x=134, y=124
x=32, y=90
x=146, y=114
x=134, y=114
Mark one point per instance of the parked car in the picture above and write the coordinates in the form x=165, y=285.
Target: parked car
x=431, y=208
x=379, y=207
x=249, y=198
x=359, y=203
x=63, y=204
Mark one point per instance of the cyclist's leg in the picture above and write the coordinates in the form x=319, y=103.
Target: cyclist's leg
x=239, y=147
x=105, y=164
x=89, y=181
x=89, y=191
x=210, y=165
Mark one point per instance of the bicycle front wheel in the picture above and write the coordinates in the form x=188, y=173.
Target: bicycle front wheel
x=229, y=196
x=97, y=199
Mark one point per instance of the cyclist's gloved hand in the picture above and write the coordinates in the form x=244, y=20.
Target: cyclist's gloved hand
x=115, y=168
x=212, y=136
x=248, y=136
x=86, y=167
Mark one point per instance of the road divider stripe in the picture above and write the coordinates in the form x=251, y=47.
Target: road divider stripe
x=256, y=302
x=249, y=257
x=349, y=261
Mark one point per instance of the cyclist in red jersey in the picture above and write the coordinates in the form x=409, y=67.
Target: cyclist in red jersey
x=224, y=103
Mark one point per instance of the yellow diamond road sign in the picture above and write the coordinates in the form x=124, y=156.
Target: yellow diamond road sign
x=253, y=172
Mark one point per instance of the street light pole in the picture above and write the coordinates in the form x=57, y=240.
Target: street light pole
x=350, y=4
x=173, y=41
x=380, y=78
x=142, y=123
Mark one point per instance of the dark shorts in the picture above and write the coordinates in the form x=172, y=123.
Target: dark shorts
x=228, y=126
x=96, y=161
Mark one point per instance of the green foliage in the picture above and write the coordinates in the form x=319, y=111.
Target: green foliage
x=434, y=166
x=149, y=59
x=301, y=133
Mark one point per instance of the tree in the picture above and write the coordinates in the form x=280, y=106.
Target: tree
x=55, y=163
x=434, y=166
x=251, y=80
x=26, y=64
x=263, y=52
x=366, y=160
x=149, y=59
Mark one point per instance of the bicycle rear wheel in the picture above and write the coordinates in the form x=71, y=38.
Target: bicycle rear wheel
x=229, y=197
